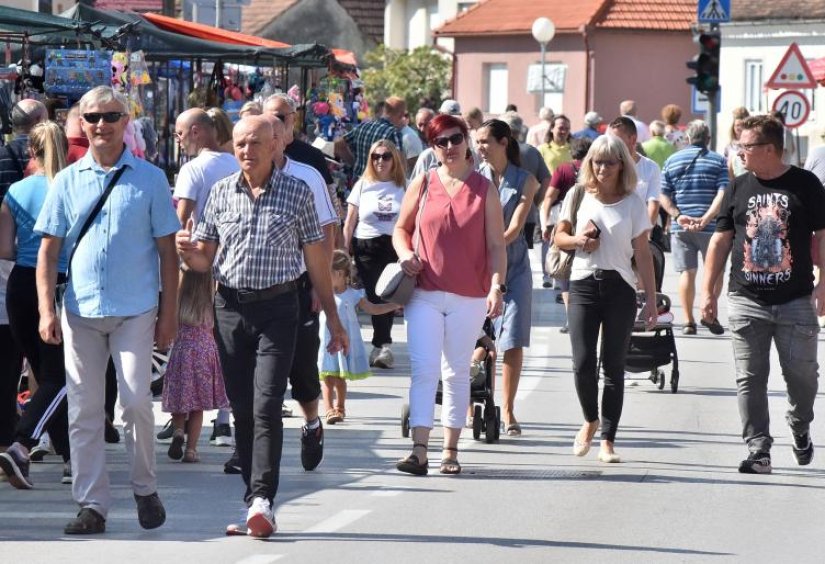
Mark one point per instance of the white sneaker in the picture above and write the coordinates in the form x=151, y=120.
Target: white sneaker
x=259, y=519
x=384, y=358
x=43, y=448
x=374, y=354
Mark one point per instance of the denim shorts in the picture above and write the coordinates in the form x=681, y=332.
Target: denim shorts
x=685, y=247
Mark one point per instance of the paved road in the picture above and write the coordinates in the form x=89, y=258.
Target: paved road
x=677, y=496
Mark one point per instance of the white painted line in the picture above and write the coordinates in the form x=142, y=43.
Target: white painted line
x=260, y=559
x=526, y=385
x=386, y=493
x=338, y=521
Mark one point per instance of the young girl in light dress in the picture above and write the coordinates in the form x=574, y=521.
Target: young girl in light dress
x=193, y=381
x=336, y=369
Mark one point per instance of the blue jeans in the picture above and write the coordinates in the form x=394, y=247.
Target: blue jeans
x=793, y=328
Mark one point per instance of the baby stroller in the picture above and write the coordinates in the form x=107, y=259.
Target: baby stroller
x=648, y=352
x=486, y=415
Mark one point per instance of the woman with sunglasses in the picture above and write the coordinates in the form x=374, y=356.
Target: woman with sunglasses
x=47, y=411
x=611, y=229
x=516, y=189
x=460, y=263
x=374, y=203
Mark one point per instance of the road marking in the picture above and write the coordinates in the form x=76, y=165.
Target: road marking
x=338, y=521
x=260, y=559
x=386, y=493
x=526, y=385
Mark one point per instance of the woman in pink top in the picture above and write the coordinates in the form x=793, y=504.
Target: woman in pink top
x=461, y=266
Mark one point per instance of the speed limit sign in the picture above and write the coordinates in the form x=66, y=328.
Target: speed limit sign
x=794, y=106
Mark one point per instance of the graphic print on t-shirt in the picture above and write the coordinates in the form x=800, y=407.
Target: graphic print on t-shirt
x=384, y=211
x=767, y=253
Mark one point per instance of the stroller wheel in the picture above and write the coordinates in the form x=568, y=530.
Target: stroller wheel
x=661, y=379
x=477, y=422
x=498, y=422
x=405, y=421
x=674, y=381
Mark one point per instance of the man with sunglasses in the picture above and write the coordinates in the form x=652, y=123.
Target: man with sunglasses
x=116, y=271
x=766, y=223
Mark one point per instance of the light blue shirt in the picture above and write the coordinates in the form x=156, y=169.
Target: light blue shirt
x=116, y=269
x=25, y=199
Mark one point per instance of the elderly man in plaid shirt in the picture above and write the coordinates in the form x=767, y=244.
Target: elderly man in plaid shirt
x=257, y=226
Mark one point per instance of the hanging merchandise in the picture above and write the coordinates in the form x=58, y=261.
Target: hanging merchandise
x=73, y=72
x=138, y=70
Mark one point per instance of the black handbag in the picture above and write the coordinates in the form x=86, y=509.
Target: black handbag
x=60, y=289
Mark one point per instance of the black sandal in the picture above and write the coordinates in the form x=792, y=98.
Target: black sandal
x=450, y=465
x=412, y=464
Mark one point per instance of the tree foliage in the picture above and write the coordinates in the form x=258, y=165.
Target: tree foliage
x=422, y=73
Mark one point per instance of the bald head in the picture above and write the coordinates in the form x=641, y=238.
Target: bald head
x=195, y=130
x=628, y=108
x=73, y=127
x=25, y=114
x=278, y=138
x=254, y=143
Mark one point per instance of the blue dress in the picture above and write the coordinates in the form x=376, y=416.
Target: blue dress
x=355, y=364
x=513, y=326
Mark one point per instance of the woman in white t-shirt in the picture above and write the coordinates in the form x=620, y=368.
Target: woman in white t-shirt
x=373, y=209
x=611, y=229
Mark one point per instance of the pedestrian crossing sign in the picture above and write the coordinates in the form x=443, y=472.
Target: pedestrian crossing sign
x=713, y=11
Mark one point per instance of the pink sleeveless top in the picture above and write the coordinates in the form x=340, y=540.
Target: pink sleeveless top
x=453, y=246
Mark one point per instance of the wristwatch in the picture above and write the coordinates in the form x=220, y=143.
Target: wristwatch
x=500, y=287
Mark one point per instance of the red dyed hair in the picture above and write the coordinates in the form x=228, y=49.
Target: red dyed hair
x=441, y=123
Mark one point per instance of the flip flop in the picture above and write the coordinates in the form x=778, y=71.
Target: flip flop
x=513, y=430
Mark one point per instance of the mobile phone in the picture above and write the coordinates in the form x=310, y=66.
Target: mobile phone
x=591, y=226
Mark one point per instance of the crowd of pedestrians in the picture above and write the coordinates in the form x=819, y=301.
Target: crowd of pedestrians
x=251, y=273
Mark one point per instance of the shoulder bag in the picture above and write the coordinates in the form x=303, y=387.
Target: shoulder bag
x=394, y=285
x=559, y=262
x=60, y=289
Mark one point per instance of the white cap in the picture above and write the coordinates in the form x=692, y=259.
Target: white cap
x=592, y=119
x=450, y=107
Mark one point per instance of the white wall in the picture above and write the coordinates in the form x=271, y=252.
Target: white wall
x=743, y=42
x=409, y=23
x=21, y=4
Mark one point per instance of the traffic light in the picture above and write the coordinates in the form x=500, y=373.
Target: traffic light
x=706, y=63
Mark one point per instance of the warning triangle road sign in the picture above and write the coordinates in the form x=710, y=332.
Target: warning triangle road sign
x=792, y=72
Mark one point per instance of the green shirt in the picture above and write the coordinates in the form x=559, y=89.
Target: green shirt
x=555, y=154
x=658, y=150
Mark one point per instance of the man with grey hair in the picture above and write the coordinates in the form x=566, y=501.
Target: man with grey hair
x=14, y=156
x=110, y=308
x=628, y=109
x=693, y=186
x=657, y=148
x=537, y=133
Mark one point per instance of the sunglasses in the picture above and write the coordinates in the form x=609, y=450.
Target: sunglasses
x=444, y=142
x=108, y=117
x=381, y=157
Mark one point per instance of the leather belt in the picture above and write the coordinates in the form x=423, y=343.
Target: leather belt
x=600, y=274
x=252, y=296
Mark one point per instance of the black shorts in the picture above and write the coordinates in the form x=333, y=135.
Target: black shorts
x=306, y=386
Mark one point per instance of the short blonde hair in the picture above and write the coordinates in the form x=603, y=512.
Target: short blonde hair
x=251, y=107
x=397, y=164
x=609, y=147
x=223, y=125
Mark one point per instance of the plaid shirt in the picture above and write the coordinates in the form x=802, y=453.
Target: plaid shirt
x=362, y=137
x=260, y=240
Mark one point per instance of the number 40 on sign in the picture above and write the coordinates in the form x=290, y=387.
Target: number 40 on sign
x=794, y=106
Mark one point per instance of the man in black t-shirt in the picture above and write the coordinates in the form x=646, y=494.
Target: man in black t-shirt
x=766, y=223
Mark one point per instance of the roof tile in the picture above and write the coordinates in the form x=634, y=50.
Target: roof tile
x=259, y=13
x=368, y=15
x=505, y=17
x=748, y=10
x=661, y=15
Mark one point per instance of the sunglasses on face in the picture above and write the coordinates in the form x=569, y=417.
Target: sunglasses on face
x=381, y=157
x=454, y=140
x=108, y=117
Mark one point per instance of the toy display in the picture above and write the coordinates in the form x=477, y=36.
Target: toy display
x=72, y=72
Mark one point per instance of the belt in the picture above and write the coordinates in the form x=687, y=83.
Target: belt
x=252, y=296
x=600, y=274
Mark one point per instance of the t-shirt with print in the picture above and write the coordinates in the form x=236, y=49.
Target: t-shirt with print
x=620, y=223
x=772, y=222
x=379, y=204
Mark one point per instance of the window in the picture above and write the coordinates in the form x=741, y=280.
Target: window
x=753, y=86
x=462, y=6
x=495, y=75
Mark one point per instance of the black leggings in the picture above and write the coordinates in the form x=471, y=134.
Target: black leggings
x=11, y=362
x=47, y=410
x=371, y=256
x=609, y=304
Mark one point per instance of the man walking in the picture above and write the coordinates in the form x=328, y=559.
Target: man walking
x=354, y=147
x=648, y=185
x=766, y=222
x=111, y=302
x=693, y=185
x=257, y=227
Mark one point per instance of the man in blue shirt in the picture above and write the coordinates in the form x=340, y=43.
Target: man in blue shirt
x=111, y=302
x=693, y=186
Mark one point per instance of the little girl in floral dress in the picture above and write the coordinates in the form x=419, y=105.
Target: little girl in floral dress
x=335, y=369
x=193, y=381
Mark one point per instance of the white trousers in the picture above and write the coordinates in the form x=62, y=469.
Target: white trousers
x=88, y=344
x=442, y=329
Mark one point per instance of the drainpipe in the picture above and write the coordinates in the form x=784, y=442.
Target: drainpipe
x=453, y=63
x=588, y=91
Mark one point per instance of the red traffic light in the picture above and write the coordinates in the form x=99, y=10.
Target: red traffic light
x=710, y=41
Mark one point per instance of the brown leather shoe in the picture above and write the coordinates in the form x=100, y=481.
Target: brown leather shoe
x=151, y=513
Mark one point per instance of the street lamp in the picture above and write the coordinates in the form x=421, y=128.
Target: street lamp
x=543, y=32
